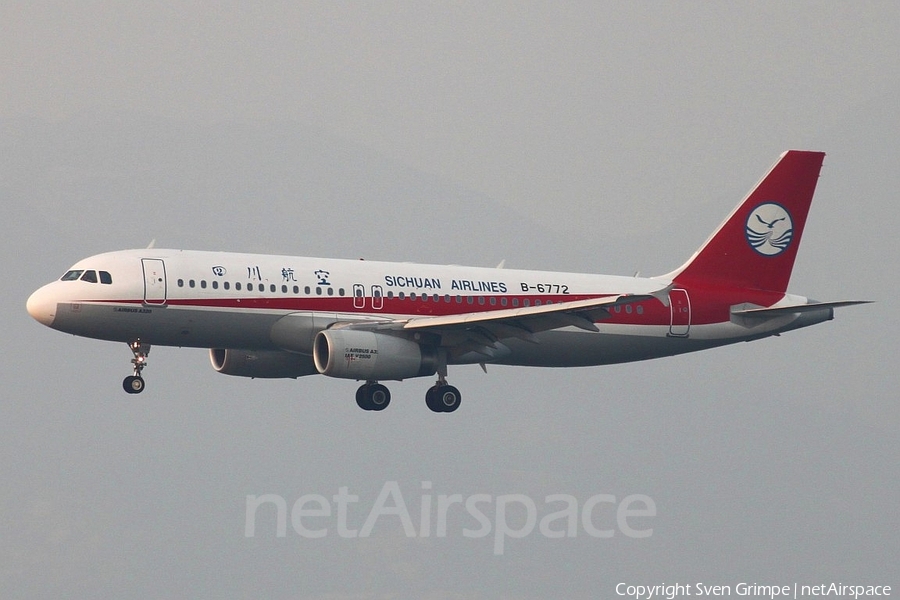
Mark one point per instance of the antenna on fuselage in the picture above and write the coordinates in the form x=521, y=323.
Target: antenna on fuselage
x=152, y=244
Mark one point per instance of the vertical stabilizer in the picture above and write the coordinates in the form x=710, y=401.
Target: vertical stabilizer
x=756, y=245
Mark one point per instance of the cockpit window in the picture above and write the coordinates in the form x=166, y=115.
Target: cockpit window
x=105, y=277
x=89, y=276
x=71, y=275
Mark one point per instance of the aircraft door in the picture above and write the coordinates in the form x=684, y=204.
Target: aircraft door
x=377, y=297
x=359, y=296
x=680, y=307
x=154, y=281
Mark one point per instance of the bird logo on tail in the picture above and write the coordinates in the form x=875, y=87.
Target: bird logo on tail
x=769, y=229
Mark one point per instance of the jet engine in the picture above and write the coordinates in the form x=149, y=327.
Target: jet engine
x=261, y=363
x=365, y=355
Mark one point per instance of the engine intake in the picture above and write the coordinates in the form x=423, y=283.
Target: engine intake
x=261, y=363
x=351, y=354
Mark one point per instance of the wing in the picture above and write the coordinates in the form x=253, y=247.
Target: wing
x=480, y=332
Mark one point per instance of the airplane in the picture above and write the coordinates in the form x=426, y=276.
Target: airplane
x=282, y=316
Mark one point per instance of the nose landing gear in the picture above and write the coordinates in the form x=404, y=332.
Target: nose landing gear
x=134, y=384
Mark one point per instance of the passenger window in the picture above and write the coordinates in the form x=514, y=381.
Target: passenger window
x=181, y=283
x=192, y=283
x=493, y=301
x=105, y=277
x=237, y=285
x=306, y=290
x=226, y=285
x=296, y=289
x=515, y=302
x=215, y=284
x=203, y=283
x=272, y=288
x=481, y=300
x=331, y=291
x=341, y=292
x=89, y=276
x=503, y=302
x=470, y=299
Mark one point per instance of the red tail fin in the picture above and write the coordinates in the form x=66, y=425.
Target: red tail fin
x=756, y=245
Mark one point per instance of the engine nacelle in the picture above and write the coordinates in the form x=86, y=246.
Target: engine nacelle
x=261, y=363
x=351, y=354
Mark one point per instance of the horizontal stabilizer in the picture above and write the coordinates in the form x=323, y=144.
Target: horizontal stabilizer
x=799, y=308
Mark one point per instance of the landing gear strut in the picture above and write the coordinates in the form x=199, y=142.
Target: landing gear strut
x=134, y=384
x=373, y=396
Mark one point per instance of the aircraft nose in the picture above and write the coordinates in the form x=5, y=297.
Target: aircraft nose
x=41, y=306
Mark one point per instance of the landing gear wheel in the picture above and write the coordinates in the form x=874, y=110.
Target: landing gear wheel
x=373, y=396
x=379, y=397
x=443, y=398
x=133, y=384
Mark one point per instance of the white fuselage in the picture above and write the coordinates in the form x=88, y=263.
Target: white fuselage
x=231, y=300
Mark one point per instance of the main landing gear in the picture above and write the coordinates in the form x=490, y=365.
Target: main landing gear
x=441, y=397
x=373, y=396
x=134, y=384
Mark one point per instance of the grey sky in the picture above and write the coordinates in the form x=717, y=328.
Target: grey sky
x=597, y=137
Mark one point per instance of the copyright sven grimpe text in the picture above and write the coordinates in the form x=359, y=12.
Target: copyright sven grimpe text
x=750, y=590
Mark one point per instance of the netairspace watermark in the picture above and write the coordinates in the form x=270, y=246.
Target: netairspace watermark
x=506, y=516
x=752, y=590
